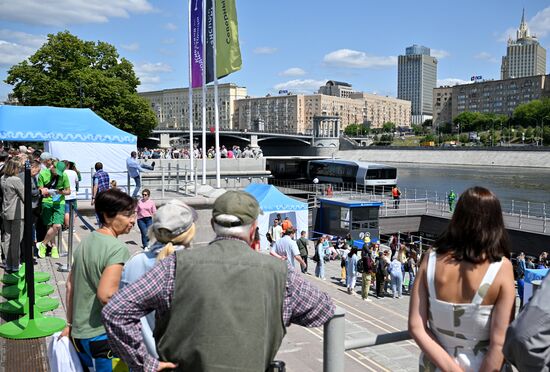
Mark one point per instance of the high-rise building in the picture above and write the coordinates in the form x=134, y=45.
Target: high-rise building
x=416, y=79
x=336, y=88
x=171, y=106
x=524, y=56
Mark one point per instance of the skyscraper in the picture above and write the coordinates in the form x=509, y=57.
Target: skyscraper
x=524, y=56
x=416, y=79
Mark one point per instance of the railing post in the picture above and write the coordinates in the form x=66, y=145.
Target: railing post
x=128, y=182
x=92, y=179
x=519, y=219
x=169, y=174
x=59, y=240
x=177, y=177
x=512, y=207
x=333, y=342
x=420, y=243
x=414, y=194
x=528, y=209
x=162, y=182
x=398, y=238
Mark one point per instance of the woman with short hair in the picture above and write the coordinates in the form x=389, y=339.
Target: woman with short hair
x=95, y=276
x=13, y=208
x=463, y=297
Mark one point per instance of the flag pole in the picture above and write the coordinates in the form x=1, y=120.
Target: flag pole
x=204, y=36
x=190, y=95
x=216, y=108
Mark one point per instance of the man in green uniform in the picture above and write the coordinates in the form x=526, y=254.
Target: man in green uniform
x=54, y=185
x=452, y=199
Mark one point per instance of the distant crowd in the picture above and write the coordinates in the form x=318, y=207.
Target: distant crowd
x=230, y=152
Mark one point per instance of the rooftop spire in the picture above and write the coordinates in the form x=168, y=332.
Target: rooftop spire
x=523, y=30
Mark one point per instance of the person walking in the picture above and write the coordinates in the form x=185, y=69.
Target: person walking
x=13, y=211
x=94, y=278
x=145, y=209
x=100, y=181
x=319, y=257
x=173, y=228
x=367, y=274
x=303, y=243
x=451, y=198
x=134, y=171
x=463, y=298
x=287, y=247
x=396, y=277
x=351, y=270
x=207, y=322
x=70, y=200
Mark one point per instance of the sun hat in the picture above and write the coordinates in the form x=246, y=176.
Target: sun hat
x=239, y=204
x=173, y=219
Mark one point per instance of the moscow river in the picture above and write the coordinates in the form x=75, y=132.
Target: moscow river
x=521, y=184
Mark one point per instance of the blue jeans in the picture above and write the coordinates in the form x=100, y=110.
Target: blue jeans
x=320, y=270
x=137, y=180
x=396, y=285
x=143, y=224
x=411, y=281
x=95, y=352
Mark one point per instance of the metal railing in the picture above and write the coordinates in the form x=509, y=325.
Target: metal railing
x=335, y=344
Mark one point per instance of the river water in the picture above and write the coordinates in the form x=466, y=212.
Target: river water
x=522, y=184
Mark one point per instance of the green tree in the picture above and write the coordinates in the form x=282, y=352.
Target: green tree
x=357, y=130
x=417, y=129
x=69, y=72
x=388, y=127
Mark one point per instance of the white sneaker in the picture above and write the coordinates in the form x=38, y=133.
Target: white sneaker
x=367, y=300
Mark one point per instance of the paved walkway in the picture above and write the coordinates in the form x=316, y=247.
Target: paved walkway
x=302, y=348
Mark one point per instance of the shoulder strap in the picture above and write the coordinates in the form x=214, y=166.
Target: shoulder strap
x=430, y=274
x=486, y=282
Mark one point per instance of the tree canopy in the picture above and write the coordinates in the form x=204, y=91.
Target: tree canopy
x=69, y=72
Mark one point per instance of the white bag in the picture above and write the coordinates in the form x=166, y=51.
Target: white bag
x=62, y=355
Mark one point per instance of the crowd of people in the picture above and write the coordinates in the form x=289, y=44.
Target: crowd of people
x=54, y=184
x=229, y=152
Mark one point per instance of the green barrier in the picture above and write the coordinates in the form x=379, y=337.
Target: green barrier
x=21, y=306
x=15, y=278
x=19, y=291
x=34, y=326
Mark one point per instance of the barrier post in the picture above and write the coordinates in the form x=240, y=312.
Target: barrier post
x=333, y=342
x=178, y=177
x=128, y=180
x=162, y=183
x=169, y=174
x=67, y=267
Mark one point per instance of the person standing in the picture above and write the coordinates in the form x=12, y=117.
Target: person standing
x=396, y=275
x=13, y=195
x=320, y=256
x=367, y=274
x=451, y=198
x=276, y=231
x=287, y=247
x=303, y=243
x=145, y=210
x=287, y=224
x=134, y=169
x=411, y=268
x=380, y=274
x=520, y=271
x=100, y=180
x=396, y=195
x=70, y=200
x=95, y=276
x=351, y=270
x=208, y=322
x=465, y=287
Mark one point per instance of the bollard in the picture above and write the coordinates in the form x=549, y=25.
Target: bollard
x=59, y=240
x=67, y=267
x=333, y=342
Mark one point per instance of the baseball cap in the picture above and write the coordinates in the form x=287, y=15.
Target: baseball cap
x=46, y=156
x=60, y=167
x=239, y=204
x=173, y=219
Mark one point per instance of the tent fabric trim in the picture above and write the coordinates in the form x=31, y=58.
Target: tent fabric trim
x=64, y=137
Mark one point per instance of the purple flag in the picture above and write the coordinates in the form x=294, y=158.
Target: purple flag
x=197, y=60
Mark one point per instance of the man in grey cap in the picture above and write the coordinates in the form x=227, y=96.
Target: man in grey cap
x=223, y=306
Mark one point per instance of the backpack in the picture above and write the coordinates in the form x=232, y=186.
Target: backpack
x=315, y=257
x=360, y=266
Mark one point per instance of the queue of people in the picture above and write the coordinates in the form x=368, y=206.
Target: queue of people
x=226, y=152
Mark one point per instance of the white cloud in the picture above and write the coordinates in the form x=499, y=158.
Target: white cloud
x=293, y=71
x=64, y=12
x=132, y=47
x=169, y=41
x=148, y=74
x=300, y=86
x=154, y=67
x=170, y=26
x=439, y=53
x=16, y=46
x=484, y=56
x=264, y=50
x=357, y=59
x=451, y=82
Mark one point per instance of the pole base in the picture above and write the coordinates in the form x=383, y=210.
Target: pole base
x=21, y=306
x=17, y=277
x=25, y=328
x=15, y=292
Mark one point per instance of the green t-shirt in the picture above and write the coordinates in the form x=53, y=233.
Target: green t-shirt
x=91, y=257
x=44, y=177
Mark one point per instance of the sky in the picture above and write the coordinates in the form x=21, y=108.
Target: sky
x=295, y=45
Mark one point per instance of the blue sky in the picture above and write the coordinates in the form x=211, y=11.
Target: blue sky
x=295, y=45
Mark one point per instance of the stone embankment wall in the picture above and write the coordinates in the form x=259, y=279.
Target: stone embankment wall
x=453, y=156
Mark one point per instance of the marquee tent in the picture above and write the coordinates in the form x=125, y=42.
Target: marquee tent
x=74, y=134
x=273, y=202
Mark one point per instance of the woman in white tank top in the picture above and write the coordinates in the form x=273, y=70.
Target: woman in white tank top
x=463, y=298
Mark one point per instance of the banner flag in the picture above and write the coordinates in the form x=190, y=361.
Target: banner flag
x=197, y=62
x=228, y=51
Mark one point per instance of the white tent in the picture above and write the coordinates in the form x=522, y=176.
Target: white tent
x=78, y=135
x=273, y=202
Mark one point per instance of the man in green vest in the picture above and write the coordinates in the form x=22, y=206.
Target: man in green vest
x=223, y=307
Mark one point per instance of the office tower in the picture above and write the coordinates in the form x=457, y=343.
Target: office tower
x=416, y=79
x=524, y=56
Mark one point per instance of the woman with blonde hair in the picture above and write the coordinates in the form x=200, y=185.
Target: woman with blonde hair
x=463, y=298
x=173, y=228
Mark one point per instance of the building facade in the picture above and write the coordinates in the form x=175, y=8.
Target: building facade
x=379, y=110
x=350, y=111
x=524, y=56
x=337, y=89
x=490, y=97
x=416, y=79
x=171, y=106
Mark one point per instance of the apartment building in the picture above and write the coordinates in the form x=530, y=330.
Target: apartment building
x=381, y=109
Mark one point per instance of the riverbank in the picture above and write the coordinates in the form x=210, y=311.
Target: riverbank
x=501, y=157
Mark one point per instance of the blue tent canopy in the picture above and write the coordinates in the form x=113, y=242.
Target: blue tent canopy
x=45, y=124
x=271, y=199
